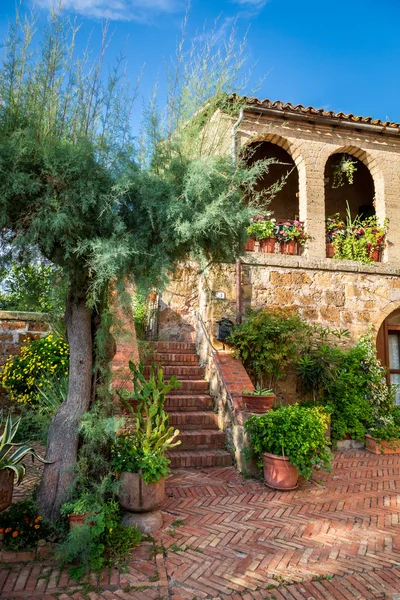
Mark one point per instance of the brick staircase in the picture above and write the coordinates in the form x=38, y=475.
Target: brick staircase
x=190, y=408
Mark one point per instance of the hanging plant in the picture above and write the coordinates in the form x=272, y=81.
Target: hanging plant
x=346, y=167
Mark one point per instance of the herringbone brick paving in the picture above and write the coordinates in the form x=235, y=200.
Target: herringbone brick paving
x=335, y=538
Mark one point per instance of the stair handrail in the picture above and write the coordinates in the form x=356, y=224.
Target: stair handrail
x=213, y=354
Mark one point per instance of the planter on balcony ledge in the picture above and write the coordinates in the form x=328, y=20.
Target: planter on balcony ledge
x=267, y=245
x=249, y=245
x=330, y=250
x=290, y=247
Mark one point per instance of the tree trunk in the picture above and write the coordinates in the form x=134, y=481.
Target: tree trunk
x=62, y=444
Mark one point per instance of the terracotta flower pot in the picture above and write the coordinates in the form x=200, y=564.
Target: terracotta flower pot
x=382, y=447
x=258, y=404
x=330, y=250
x=137, y=496
x=290, y=247
x=279, y=473
x=375, y=254
x=267, y=246
x=6, y=488
x=249, y=245
x=77, y=520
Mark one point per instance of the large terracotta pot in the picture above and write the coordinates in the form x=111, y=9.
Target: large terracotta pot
x=267, y=246
x=6, y=488
x=382, y=447
x=290, y=247
x=330, y=250
x=258, y=404
x=137, y=496
x=249, y=245
x=279, y=473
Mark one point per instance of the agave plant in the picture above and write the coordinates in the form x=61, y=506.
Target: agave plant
x=12, y=453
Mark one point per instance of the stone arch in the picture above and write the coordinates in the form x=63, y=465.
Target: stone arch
x=383, y=314
x=294, y=154
x=375, y=171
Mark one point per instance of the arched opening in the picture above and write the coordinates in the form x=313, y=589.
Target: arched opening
x=388, y=349
x=348, y=182
x=285, y=203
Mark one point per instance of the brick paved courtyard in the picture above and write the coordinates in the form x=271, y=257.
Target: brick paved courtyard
x=225, y=537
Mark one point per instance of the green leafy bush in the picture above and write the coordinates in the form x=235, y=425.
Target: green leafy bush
x=33, y=287
x=295, y=432
x=101, y=541
x=39, y=362
x=22, y=526
x=267, y=343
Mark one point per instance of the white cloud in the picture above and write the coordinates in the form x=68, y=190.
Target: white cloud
x=252, y=6
x=117, y=10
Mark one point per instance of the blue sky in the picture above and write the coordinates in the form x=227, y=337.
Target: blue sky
x=342, y=55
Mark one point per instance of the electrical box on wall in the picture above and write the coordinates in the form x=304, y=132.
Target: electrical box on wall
x=220, y=295
x=224, y=328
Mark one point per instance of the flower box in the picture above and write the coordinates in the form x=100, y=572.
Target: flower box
x=249, y=245
x=267, y=245
x=382, y=446
x=330, y=250
x=290, y=247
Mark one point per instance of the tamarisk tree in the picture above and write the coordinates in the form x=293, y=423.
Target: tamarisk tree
x=72, y=188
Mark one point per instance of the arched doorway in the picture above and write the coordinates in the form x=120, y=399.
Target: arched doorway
x=388, y=349
x=356, y=191
x=285, y=203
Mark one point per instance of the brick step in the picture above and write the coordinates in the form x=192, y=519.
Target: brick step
x=174, y=347
x=189, y=403
x=193, y=420
x=200, y=459
x=200, y=439
x=184, y=372
x=190, y=387
x=169, y=358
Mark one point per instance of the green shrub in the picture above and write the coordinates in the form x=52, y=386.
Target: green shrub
x=295, y=432
x=39, y=362
x=267, y=342
x=101, y=541
x=34, y=288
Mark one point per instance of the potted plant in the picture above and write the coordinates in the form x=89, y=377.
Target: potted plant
x=346, y=167
x=11, y=455
x=139, y=454
x=334, y=226
x=288, y=442
x=267, y=236
x=384, y=436
x=79, y=510
x=291, y=236
x=259, y=400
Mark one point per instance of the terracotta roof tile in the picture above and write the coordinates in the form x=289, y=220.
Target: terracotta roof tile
x=287, y=107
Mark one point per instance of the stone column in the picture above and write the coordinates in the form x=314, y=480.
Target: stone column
x=312, y=201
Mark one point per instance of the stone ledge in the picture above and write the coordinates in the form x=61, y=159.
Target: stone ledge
x=259, y=259
x=11, y=315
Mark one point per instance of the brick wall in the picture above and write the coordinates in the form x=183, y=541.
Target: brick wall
x=17, y=328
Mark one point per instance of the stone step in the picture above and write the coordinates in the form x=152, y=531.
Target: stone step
x=182, y=372
x=169, y=358
x=193, y=420
x=173, y=347
x=200, y=459
x=190, y=387
x=190, y=403
x=200, y=439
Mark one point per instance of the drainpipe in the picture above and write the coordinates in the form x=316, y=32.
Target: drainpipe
x=234, y=130
x=238, y=263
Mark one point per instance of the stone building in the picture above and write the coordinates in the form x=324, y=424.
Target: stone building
x=328, y=291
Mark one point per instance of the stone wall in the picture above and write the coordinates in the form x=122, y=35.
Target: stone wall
x=18, y=328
